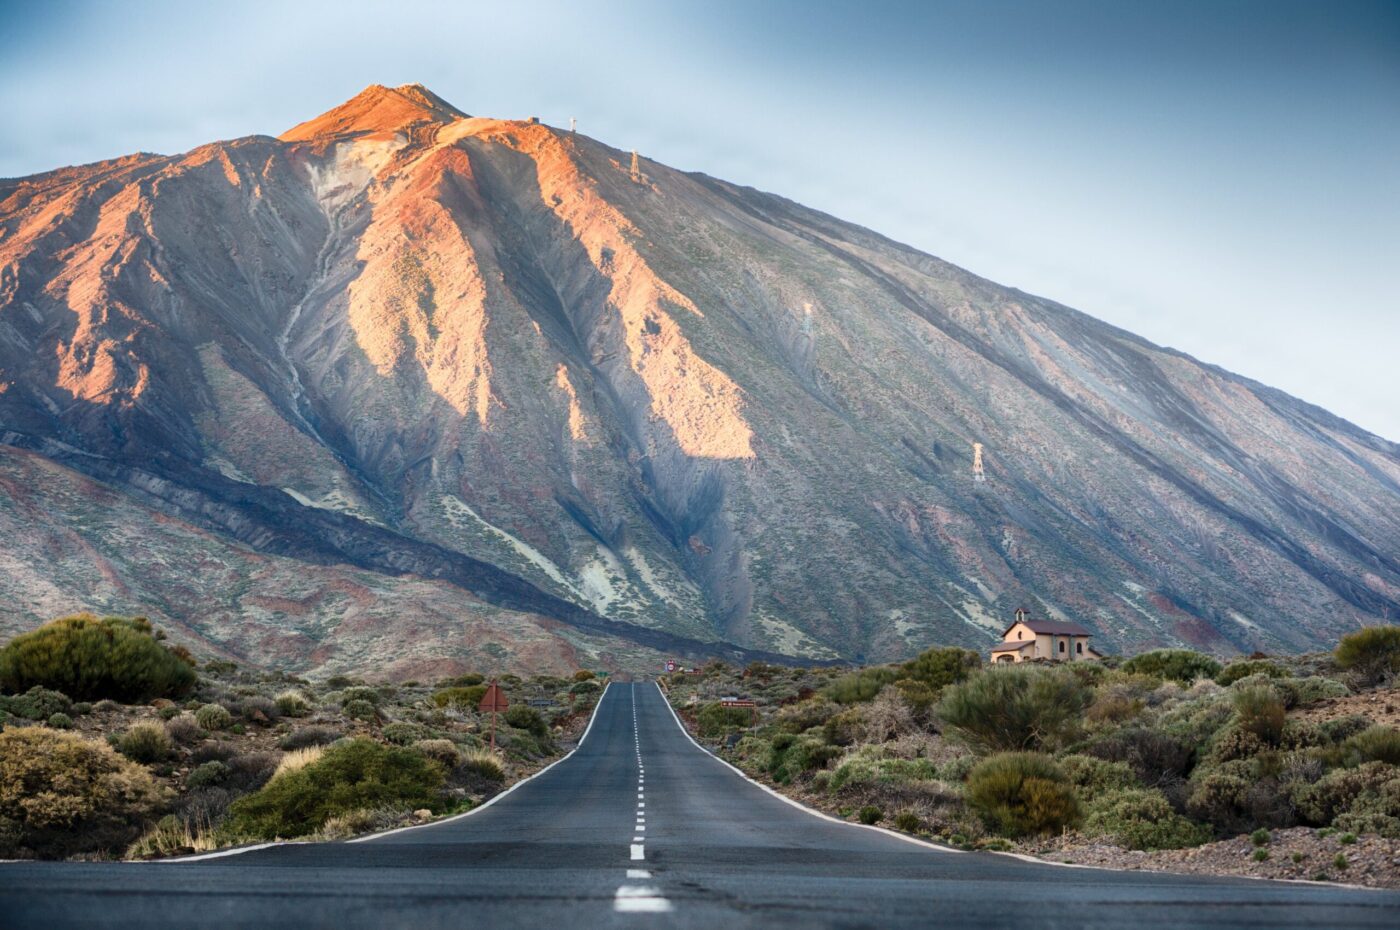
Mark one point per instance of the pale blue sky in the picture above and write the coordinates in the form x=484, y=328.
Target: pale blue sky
x=1221, y=177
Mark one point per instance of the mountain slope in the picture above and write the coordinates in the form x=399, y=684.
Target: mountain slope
x=654, y=398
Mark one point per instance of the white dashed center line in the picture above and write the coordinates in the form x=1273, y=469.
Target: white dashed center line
x=639, y=899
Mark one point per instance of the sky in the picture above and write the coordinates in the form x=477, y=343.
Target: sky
x=1222, y=177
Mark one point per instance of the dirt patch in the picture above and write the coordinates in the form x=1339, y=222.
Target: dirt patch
x=1382, y=706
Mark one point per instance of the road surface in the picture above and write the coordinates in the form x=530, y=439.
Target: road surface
x=640, y=827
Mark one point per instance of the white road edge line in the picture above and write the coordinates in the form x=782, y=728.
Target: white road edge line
x=422, y=826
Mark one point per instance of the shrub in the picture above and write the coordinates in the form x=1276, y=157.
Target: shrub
x=869, y=765
x=259, y=710
x=1158, y=759
x=938, y=668
x=309, y=736
x=1181, y=665
x=184, y=729
x=1015, y=708
x=583, y=687
x=799, y=754
x=82, y=709
x=293, y=704
x=804, y=715
x=870, y=814
x=38, y=703
x=1373, y=652
x=88, y=658
x=1260, y=712
x=442, y=751
x=908, y=821
x=526, y=718
x=1093, y=776
x=353, y=775
x=715, y=720
x=60, y=721
x=1247, y=667
x=403, y=734
x=1374, y=744
x=861, y=685
x=368, y=695
x=145, y=742
x=1337, y=792
x=360, y=710
x=1260, y=837
x=213, y=717
x=1021, y=793
x=466, y=698
x=1261, y=855
x=298, y=759
x=1300, y=692
x=208, y=773
x=1138, y=818
x=61, y=794
x=584, y=674
x=174, y=835
x=483, y=763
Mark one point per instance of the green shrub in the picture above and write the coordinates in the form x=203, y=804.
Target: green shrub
x=804, y=715
x=1022, y=793
x=61, y=794
x=213, y=717
x=368, y=695
x=352, y=775
x=1347, y=839
x=801, y=754
x=60, y=721
x=38, y=703
x=1181, y=665
x=908, y=821
x=1260, y=712
x=1300, y=692
x=82, y=708
x=1093, y=776
x=1247, y=667
x=1260, y=837
x=403, y=734
x=184, y=729
x=845, y=728
x=870, y=814
x=524, y=717
x=293, y=704
x=1015, y=708
x=1158, y=759
x=1138, y=818
x=585, y=687
x=1340, y=861
x=169, y=712
x=145, y=742
x=938, y=668
x=1369, y=786
x=1374, y=744
x=360, y=710
x=464, y=698
x=207, y=774
x=1373, y=652
x=919, y=696
x=1261, y=855
x=115, y=657
x=715, y=720
x=861, y=685
x=584, y=674
x=870, y=766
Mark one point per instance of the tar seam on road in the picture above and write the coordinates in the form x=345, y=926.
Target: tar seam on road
x=421, y=826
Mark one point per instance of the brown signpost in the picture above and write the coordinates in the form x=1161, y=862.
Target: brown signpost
x=493, y=701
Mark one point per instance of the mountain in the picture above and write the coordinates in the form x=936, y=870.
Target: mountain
x=431, y=390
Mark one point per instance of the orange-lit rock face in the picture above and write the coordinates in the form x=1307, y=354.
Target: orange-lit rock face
x=399, y=336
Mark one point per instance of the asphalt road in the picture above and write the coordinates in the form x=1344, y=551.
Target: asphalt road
x=640, y=827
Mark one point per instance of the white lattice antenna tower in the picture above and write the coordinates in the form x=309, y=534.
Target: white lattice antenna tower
x=636, y=168
x=573, y=125
x=977, y=473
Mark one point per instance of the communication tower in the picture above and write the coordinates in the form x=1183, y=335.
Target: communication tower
x=636, y=168
x=977, y=473
x=573, y=125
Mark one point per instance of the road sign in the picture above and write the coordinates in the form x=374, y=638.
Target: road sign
x=494, y=699
x=670, y=666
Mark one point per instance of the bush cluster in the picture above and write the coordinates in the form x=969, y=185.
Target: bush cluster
x=1016, y=708
x=119, y=658
x=1022, y=793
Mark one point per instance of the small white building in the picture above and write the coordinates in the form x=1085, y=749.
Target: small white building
x=1056, y=640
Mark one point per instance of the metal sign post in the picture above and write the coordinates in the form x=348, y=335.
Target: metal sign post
x=492, y=701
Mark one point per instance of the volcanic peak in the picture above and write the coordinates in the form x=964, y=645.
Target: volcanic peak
x=377, y=110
